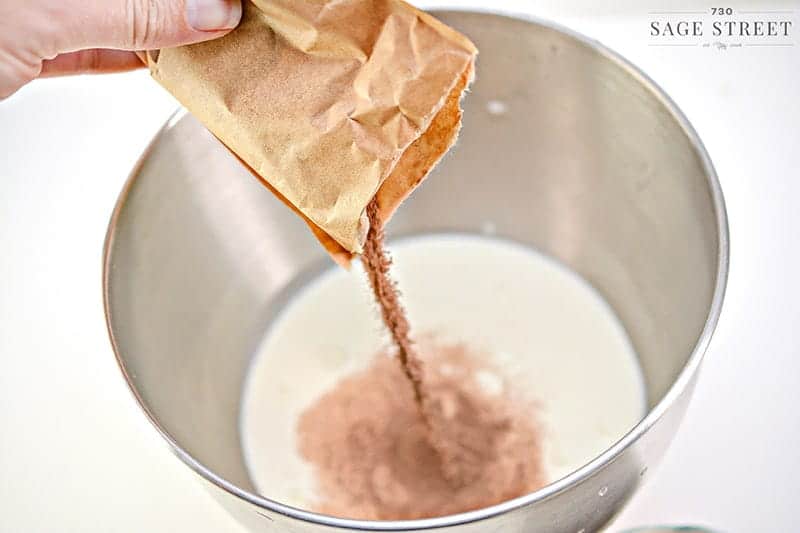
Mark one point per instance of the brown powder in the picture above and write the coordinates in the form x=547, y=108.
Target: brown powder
x=457, y=458
x=377, y=263
x=460, y=458
x=411, y=440
x=372, y=451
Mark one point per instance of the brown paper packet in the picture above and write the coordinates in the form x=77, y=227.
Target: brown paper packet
x=329, y=103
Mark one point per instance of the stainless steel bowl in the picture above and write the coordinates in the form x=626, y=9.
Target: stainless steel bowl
x=566, y=147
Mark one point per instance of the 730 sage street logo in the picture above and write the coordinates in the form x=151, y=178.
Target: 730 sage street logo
x=722, y=28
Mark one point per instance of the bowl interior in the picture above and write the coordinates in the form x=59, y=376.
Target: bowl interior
x=564, y=148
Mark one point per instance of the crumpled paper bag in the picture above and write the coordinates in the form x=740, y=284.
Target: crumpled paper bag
x=331, y=103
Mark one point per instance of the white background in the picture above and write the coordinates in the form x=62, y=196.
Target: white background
x=77, y=455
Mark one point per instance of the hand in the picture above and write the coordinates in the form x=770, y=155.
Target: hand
x=57, y=37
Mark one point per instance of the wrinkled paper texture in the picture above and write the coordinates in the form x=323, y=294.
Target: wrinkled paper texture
x=329, y=102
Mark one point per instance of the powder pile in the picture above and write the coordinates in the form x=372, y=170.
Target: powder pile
x=372, y=451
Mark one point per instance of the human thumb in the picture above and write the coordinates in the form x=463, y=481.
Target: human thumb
x=145, y=24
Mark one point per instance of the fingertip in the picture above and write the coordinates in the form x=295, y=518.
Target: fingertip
x=218, y=16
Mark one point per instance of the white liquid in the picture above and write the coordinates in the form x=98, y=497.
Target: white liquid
x=543, y=325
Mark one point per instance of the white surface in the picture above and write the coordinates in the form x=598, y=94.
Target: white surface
x=76, y=455
x=563, y=349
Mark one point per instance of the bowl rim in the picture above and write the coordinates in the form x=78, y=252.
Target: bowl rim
x=677, y=388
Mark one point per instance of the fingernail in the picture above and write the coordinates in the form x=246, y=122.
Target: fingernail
x=211, y=15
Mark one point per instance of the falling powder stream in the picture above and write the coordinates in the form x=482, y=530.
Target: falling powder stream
x=417, y=440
